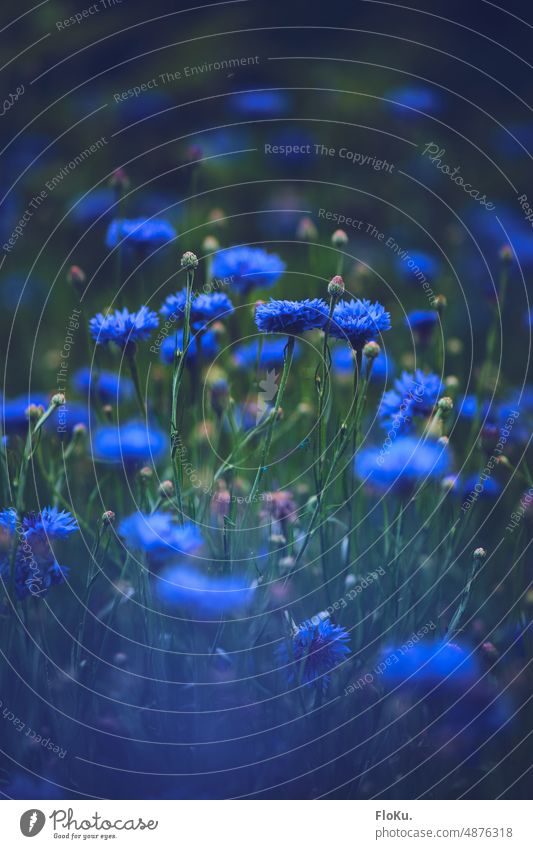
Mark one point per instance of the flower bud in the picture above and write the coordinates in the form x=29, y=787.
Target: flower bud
x=166, y=489
x=108, y=517
x=479, y=554
x=76, y=276
x=506, y=253
x=210, y=244
x=336, y=286
x=57, y=400
x=189, y=260
x=439, y=303
x=194, y=153
x=217, y=216
x=371, y=350
x=119, y=180
x=146, y=473
x=445, y=404
x=34, y=412
x=306, y=230
x=339, y=238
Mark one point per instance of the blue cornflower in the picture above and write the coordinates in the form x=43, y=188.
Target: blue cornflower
x=248, y=268
x=403, y=464
x=159, y=536
x=174, y=305
x=430, y=664
x=409, y=98
x=343, y=365
x=129, y=444
x=106, y=386
x=93, y=205
x=422, y=323
x=358, y=321
x=418, y=264
x=414, y=395
x=203, y=595
x=210, y=307
x=317, y=647
x=260, y=102
x=123, y=327
x=14, y=418
x=485, y=489
x=51, y=523
x=291, y=316
x=36, y=568
x=140, y=232
x=272, y=352
x=209, y=347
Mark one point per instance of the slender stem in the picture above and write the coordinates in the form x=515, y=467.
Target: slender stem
x=289, y=350
x=130, y=358
x=177, y=376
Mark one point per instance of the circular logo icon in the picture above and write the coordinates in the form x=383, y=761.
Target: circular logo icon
x=32, y=822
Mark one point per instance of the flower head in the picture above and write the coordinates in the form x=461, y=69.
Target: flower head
x=209, y=346
x=248, y=268
x=414, y=395
x=123, y=327
x=408, y=462
x=317, y=647
x=358, y=321
x=36, y=568
x=106, y=386
x=271, y=356
x=129, y=444
x=183, y=587
x=291, y=316
x=159, y=536
x=210, y=307
x=422, y=323
x=140, y=232
x=51, y=523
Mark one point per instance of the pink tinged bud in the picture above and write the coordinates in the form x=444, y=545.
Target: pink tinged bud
x=339, y=238
x=336, y=286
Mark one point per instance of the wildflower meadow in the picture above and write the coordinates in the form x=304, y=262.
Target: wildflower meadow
x=266, y=405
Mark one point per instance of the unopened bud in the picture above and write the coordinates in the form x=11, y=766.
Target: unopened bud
x=108, y=517
x=445, y=404
x=34, y=412
x=189, y=260
x=371, y=350
x=506, y=253
x=336, y=287
x=119, y=180
x=480, y=554
x=146, y=473
x=306, y=230
x=339, y=238
x=439, y=303
x=210, y=244
x=166, y=489
x=76, y=275
x=57, y=400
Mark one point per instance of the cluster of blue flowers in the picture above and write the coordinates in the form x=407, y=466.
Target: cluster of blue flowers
x=123, y=327
x=414, y=396
x=28, y=544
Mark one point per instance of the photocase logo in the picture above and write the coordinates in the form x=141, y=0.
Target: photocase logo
x=32, y=822
x=269, y=388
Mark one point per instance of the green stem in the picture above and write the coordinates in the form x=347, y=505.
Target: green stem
x=289, y=350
